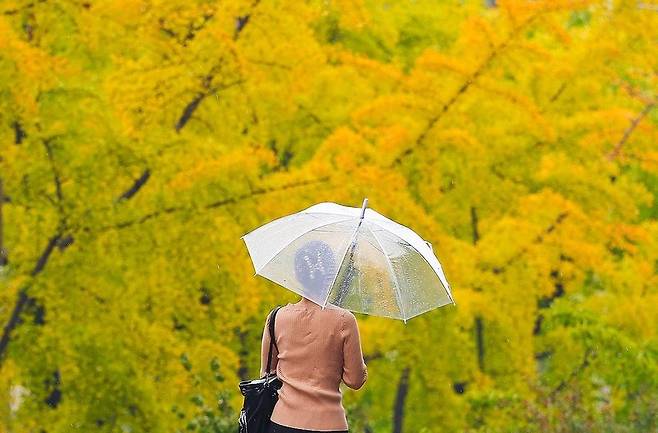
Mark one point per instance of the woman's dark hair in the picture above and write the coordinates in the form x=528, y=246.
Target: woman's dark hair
x=315, y=266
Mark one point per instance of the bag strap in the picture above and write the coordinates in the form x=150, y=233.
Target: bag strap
x=271, y=321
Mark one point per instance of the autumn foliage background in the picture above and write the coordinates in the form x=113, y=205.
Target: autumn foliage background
x=139, y=139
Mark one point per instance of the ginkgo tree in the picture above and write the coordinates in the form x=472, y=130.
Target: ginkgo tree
x=140, y=139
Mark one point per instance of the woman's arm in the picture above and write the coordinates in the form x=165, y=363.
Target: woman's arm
x=264, y=348
x=355, y=372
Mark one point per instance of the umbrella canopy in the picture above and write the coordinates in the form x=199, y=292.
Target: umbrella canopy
x=352, y=258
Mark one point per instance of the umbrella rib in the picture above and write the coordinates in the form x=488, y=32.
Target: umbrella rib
x=295, y=238
x=340, y=265
x=398, y=295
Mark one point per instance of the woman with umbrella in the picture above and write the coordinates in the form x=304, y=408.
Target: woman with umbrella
x=316, y=348
x=339, y=259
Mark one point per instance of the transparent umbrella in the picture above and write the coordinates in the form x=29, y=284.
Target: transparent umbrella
x=352, y=258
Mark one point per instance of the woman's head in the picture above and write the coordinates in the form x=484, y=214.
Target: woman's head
x=315, y=267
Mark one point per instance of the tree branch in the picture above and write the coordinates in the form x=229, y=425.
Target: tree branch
x=189, y=109
x=63, y=241
x=192, y=29
x=57, y=240
x=137, y=185
x=579, y=369
x=242, y=21
x=208, y=206
x=192, y=106
x=23, y=299
x=59, y=203
x=462, y=90
x=537, y=240
x=614, y=153
x=45, y=255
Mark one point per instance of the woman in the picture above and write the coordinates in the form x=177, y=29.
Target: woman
x=317, y=349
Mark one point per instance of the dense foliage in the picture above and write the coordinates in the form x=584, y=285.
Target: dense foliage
x=139, y=139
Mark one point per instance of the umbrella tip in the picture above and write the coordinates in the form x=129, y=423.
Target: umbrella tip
x=363, y=207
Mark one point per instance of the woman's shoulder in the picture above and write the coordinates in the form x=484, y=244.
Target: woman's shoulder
x=338, y=311
x=344, y=317
x=329, y=311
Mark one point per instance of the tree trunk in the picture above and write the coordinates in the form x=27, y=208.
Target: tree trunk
x=479, y=340
x=3, y=251
x=401, y=396
x=474, y=225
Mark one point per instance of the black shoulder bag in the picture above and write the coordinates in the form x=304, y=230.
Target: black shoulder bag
x=260, y=395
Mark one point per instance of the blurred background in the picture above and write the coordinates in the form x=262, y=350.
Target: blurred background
x=139, y=139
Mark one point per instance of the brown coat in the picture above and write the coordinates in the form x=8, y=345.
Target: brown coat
x=317, y=350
